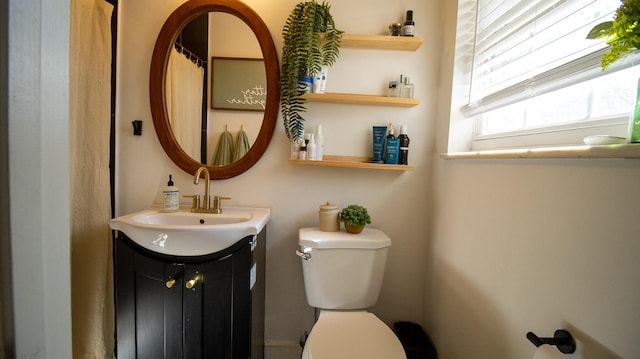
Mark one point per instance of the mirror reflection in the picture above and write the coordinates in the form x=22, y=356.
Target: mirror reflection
x=215, y=90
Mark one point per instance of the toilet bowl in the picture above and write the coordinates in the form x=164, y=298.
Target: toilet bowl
x=351, y=335
x=342, y=275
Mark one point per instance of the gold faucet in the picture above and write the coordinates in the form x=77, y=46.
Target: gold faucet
x=206, y=198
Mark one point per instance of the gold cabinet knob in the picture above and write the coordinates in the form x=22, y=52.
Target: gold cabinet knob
x=191, y=283
x=170, y=283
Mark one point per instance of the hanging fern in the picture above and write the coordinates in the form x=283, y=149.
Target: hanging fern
x=311, y=40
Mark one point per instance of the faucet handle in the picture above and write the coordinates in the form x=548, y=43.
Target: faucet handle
x=216, y=203
x=195, y=201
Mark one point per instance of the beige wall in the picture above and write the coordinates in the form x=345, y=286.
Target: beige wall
x=483, y=251
x=534, y=246
x=502, y=247
x=516, y=245
x=398, y=202
x=530, y=245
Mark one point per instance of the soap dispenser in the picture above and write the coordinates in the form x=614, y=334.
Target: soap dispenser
x=171, y=197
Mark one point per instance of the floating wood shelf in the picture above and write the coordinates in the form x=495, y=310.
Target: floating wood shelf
x=380, y=42
x=351, y=162
x=358, y=99
x=371, y=42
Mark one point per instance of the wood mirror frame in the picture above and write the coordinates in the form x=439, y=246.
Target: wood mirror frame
x=168, y=34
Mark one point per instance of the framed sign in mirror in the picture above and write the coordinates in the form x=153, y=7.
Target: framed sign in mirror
x=238, y=84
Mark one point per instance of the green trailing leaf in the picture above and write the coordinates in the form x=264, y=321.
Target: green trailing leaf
x=311, y=40
x=600, y=30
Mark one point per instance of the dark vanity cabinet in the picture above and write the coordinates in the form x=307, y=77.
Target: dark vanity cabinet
x=208, y=306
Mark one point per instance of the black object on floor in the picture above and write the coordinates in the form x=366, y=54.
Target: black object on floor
x=415, y=341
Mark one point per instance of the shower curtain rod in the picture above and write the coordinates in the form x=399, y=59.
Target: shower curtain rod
x=190, y=55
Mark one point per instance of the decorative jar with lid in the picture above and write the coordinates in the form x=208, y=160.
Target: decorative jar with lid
x=328, y=217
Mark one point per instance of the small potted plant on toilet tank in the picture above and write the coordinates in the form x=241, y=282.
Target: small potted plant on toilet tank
x=355, y=218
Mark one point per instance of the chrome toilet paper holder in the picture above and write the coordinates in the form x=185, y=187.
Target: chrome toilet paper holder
x=562, y=339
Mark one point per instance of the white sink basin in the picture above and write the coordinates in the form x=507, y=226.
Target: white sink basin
x=183, y=233
x=183, y=218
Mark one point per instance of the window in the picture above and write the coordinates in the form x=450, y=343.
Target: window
x=535, y=80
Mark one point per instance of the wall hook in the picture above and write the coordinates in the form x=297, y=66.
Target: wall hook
x=137, y=127
x=562, y=339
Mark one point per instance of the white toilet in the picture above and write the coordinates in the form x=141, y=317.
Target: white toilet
x=342, y=277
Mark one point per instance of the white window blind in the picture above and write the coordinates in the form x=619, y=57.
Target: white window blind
x=526, y=48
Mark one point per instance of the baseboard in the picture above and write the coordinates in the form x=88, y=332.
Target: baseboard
x=282, y=351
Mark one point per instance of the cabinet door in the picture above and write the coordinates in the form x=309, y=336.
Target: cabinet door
x=182, y=310
x=149, y=314
x=226, y=307
x=241, y=333
x=196, y=280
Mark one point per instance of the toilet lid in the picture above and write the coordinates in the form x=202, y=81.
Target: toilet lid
x=352, y=335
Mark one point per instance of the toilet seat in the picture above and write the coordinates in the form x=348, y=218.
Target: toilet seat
x=351, y=335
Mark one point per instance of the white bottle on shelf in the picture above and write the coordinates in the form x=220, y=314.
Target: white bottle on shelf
x=319, y=143
x=407, y=88
x=295, y=151
x=311, y=148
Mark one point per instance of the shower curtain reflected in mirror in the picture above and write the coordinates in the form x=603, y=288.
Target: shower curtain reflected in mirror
x=184, y=83
x=89, y=126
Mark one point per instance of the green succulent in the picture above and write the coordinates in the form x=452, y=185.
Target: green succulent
x=622, y=34
x=355, y=215
x=311, y=40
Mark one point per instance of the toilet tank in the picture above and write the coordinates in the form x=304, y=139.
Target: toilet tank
x=343, y=270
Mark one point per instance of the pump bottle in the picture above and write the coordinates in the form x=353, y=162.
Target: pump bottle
x=403, y=158
x=171, y=197
x=392, y=148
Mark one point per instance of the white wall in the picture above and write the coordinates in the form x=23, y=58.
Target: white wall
x=483, y=254
x=517, y=245
x=534, y=246
x=531, y=245
x=398, y=201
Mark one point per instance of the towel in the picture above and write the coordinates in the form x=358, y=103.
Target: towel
x=241, y=146
x=224, y=152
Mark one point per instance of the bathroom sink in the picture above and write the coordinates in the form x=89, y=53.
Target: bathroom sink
x=183, y=233
x=183, y=218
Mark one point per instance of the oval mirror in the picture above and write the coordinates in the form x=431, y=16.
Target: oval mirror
x=258, y=100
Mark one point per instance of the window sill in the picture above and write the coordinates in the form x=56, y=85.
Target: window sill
x=628, y=151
